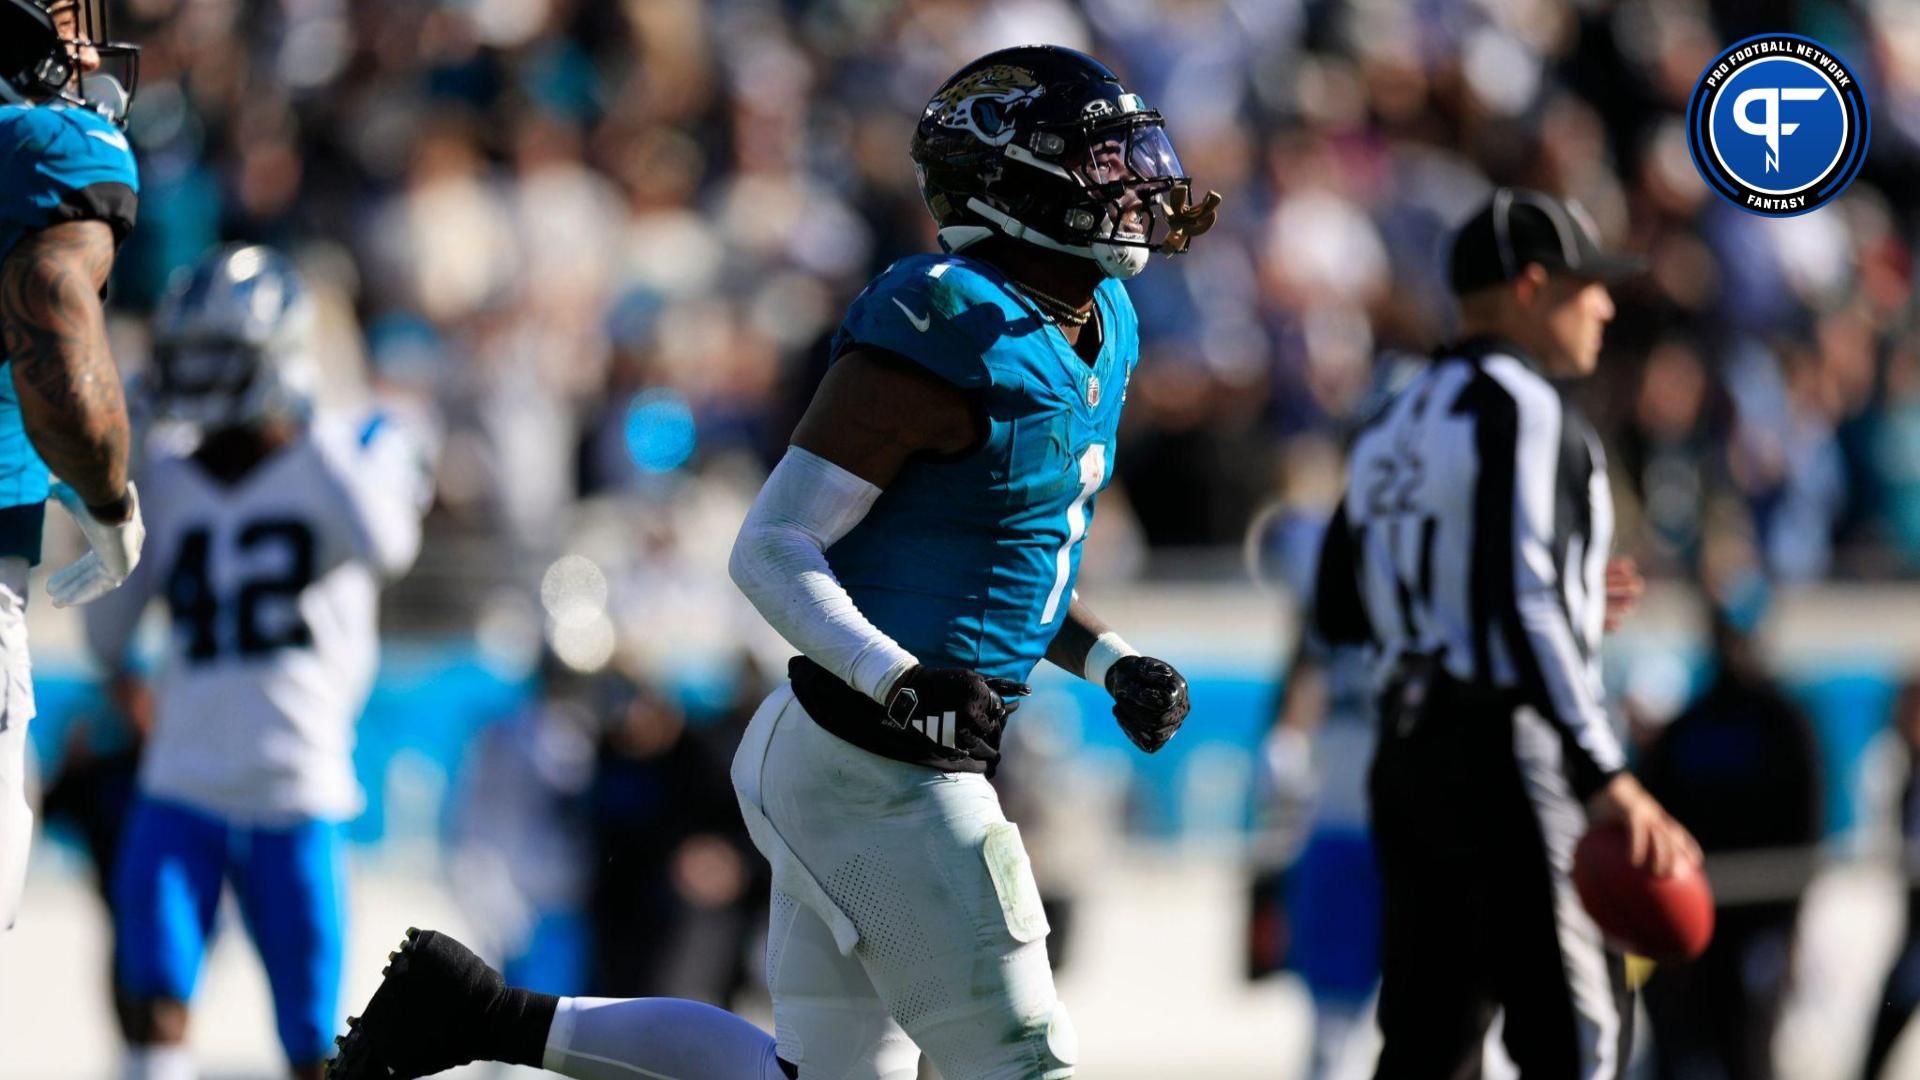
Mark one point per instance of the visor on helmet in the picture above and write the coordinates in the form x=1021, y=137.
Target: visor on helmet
x=1139, y=153
x=1128, y=171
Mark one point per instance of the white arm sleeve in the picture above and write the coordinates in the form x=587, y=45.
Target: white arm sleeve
x=385, y=477
x=390, y=497
x=780, y=562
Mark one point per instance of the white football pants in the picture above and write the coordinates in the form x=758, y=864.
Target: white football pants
x=16, y=709
x=905, y=917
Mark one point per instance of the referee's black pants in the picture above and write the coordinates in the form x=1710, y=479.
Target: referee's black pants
x=1475, y=825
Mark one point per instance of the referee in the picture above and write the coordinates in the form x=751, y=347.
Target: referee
x=1471, y=551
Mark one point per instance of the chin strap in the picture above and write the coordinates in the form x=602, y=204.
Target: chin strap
x=107, y=97
x=1019, y=230
x=957, y=238
x=1119, y=261
x=1185, y=220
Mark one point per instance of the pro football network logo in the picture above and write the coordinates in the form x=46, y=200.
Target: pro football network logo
x=1778, y=125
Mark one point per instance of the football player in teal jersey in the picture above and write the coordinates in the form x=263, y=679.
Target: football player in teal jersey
x=68, y=189
x=918, y=544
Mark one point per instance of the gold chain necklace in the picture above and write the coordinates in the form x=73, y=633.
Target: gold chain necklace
x=1055, y=309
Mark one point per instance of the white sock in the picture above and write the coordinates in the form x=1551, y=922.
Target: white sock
x=160, y=1063
x=656, y=1039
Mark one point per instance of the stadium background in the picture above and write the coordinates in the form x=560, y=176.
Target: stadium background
x=598, y=245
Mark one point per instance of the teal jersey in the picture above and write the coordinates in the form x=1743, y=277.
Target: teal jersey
x=57, y=164
x=970, y=561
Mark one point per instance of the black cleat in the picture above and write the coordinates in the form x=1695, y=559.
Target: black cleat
x=430, y=1013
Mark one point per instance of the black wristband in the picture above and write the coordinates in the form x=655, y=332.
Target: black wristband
x=116, y=512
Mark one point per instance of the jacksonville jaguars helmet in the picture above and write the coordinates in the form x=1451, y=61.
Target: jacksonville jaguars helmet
x=233, y=342
x=1042, y=144
x=39, y=63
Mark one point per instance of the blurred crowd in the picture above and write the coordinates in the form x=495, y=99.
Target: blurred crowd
x=602, y=244
x=597, y=845
x=606, y=240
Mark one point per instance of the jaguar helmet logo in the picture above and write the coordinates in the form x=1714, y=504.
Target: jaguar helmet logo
x=979, y=104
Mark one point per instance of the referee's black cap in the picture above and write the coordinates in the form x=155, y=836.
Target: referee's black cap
x=1520, y=226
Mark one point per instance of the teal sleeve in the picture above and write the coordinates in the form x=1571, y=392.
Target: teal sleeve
x=914, y=311
x=62, y=164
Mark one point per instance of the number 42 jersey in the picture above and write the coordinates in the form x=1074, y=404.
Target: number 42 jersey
x=970, y=561
x=271, y=585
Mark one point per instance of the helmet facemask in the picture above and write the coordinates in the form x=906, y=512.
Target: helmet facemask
x=1129, y=197
x=1128, y=173
x=82, y=28
x=212, y=384
x=1042, y=144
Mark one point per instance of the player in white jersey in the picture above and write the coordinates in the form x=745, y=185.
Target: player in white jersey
x=270, y=535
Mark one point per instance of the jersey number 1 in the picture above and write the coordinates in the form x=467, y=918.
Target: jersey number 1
x=1093, y=473
x=196, y=608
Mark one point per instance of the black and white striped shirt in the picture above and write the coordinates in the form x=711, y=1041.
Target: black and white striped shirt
x=1475, y=529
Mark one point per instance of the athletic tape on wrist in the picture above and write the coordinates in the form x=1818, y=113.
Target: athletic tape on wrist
x=1108, y=649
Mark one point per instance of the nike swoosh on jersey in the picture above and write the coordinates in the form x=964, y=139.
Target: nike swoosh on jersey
x=920, y=322
x=112, y=138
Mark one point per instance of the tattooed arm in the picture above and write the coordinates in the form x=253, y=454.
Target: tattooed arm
x=54, y=330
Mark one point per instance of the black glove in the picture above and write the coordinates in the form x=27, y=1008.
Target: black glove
x=1149, y=700
x=924, y=696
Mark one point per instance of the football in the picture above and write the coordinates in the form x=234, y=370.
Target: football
x=1664, y=919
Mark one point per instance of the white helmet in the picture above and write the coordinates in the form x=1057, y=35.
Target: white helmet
x=233, y=339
